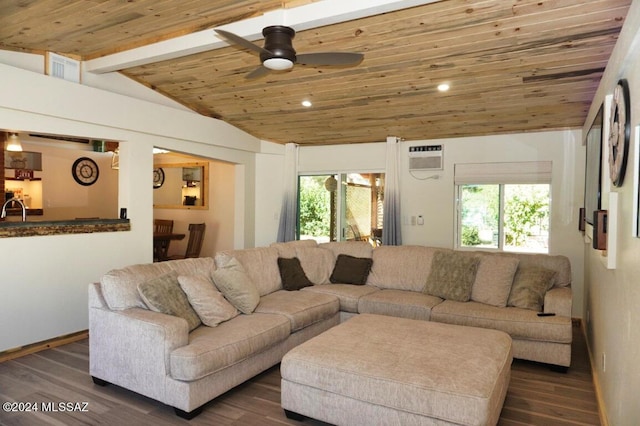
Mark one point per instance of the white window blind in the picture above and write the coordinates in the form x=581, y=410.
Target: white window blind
x=523, y=172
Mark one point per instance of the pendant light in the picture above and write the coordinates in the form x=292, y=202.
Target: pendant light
x=13, y=142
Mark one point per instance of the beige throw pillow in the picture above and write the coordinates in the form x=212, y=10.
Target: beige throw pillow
x=163, y=294
x=529, y=287
x=206, y=300
x=494, y=279
x=232, y=280
x=452, y=275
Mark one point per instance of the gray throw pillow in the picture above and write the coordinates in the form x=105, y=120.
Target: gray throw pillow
x=206, y=300
x=530, y=286
x=452, y=275
x=292, y=274
x=232, y=281
x=351, y=270
x=163, y=294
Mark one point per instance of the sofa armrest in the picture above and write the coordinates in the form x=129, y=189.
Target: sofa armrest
x=558, y=300
x=132, y=347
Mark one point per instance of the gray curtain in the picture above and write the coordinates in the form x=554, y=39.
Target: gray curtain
x=391, y=229
x=289, y=210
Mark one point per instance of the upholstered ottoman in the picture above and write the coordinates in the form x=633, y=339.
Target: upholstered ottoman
x=382, y=370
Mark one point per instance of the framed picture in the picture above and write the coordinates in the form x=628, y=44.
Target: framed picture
x=593, y=173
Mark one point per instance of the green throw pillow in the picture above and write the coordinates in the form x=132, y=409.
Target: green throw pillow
x=351, y=270
x=163, y=294
x=292, y=274
x=530, y=285
x=452, y=275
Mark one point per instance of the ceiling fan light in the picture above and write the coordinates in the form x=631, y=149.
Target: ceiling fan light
x=278, y=64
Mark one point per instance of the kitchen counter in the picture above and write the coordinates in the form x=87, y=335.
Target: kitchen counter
x=36, y=227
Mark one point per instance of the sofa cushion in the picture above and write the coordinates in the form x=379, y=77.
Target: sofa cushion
x=302, y=308
x=452, y=275
x=290, y=248
x=518, y=323
x=352, y=248
x=163, y=294
x=529, y=287
x=348, y=294
x=236, y=285
x=120, y=286
x=398, y=303
x=206, y=300
x=351, y=270
x=493, y=279
x=292, y=274
x=211, y=349
x=401, y=267
x=317, y=263
x=261, y=264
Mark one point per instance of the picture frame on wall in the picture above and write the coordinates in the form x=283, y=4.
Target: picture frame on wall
x=593, y=171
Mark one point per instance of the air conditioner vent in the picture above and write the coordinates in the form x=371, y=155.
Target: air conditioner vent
x=62, y=67
x=425, y=157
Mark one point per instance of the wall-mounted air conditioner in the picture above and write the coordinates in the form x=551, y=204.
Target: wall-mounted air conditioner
x=425, y=157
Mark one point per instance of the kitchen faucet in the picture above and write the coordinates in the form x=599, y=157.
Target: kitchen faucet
x=4, y=209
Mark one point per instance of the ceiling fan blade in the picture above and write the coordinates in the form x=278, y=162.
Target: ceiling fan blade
x=236, y=39
x=261, y=71
x=330, y=58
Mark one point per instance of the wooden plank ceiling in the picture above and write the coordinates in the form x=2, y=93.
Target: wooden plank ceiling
x=513, y=65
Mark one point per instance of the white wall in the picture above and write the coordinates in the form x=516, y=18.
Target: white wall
x=612, y=296
x=44, y=287
x=434, y=199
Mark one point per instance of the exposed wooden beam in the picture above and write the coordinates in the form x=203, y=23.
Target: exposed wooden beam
x=300, y=18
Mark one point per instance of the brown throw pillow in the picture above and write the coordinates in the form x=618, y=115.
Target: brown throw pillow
x=351, y=270
x=530, y=284
x=452, y=275
x=292, y=274
x=163, y=294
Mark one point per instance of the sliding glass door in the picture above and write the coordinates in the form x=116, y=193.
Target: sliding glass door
x=339, y=207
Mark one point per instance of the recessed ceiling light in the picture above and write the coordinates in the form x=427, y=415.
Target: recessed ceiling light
x=443, y=87
x=306, y=103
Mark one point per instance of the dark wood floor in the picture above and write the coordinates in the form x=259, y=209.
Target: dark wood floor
x=536, y=395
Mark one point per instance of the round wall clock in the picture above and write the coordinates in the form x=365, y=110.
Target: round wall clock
x=619, y=132
x=85, y=171
x=158, y=177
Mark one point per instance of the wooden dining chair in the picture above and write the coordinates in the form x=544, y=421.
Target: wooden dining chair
x=194, y=244
x=162, y=226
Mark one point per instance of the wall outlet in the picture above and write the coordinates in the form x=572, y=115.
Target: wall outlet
x=604, y=362
x=420, y=220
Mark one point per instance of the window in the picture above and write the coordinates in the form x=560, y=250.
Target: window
x=504, y=206
x=504, y=217
x=337, y=207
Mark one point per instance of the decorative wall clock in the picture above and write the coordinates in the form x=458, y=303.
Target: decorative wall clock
x=85, y=171
x=619, y=132
x=158, y=177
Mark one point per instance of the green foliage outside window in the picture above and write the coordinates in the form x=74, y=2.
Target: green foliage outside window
x=315, y=206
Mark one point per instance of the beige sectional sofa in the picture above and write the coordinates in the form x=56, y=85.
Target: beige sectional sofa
x=185, y=360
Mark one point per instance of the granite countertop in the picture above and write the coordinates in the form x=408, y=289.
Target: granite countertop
x=57, y=227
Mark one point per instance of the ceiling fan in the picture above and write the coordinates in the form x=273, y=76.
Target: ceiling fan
x=278, y=53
